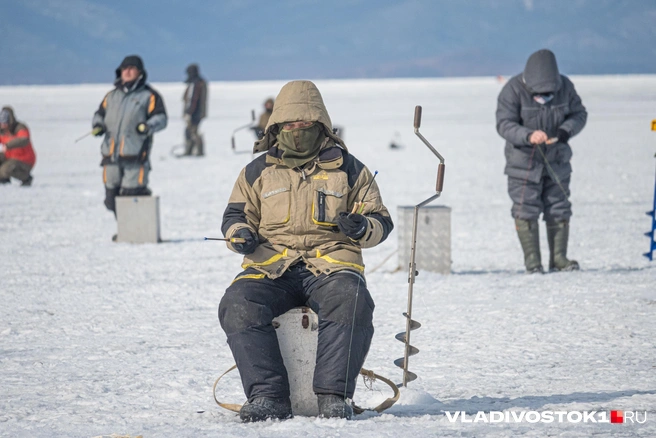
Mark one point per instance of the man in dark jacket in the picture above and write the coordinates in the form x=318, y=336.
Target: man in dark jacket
x=17, y=156
x=195, y=110
x=538, y=112
x=128, y=116
x=298, y=212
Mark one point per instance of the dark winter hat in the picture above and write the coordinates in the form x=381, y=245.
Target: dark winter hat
x=4, y=116
x=132, y=61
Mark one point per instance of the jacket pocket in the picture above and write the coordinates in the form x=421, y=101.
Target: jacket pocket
x=131, y=145
x=558, y=116
x=276, y=206
x=520, y=157
x=326, y=207
x=107, y=147
x=529, y=117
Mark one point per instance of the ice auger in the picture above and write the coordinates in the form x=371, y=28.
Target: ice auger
x=411, y=324
x=652, y=243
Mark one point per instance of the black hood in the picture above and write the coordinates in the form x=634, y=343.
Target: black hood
x=541, y=73
x=192, y=73
x=131, y=60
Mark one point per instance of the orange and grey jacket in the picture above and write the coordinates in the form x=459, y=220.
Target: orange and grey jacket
x=120, y=112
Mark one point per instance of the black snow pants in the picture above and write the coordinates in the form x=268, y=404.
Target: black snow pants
x=345, y=309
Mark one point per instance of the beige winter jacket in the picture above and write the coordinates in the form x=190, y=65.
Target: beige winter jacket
x=295, y=211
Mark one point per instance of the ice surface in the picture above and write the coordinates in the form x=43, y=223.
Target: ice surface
x=99, y=338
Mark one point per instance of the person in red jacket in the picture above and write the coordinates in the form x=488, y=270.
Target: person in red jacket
x=17, y=156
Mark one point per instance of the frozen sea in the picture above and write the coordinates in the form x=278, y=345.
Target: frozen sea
x=99, y=338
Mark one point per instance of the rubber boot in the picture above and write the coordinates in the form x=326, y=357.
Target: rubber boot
x=200, y=146
x=557, y=236
x=334, y=406
x=264, y=408
x=529, y=237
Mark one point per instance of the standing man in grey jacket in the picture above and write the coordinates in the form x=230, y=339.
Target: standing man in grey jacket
x=128, y=116
x=538, y=112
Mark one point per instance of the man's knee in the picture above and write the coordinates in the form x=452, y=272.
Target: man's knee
x=345, y=299
x=239, y=311
x=110, y=198
x=8, y=169
x=558, y=212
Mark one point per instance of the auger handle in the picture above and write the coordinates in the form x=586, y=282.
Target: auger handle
x=440, y=177
x=417, y=116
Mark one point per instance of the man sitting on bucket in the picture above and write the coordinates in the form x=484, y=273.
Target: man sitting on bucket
x=302, y=212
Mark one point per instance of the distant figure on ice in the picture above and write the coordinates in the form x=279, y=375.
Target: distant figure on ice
x=195, y=110
x=17, y=156
x=302, y=247
x=128, y=116
x=538, y=112
x=264, y=118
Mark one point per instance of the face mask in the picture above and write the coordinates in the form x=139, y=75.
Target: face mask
x=543, y=98
x=300, y=145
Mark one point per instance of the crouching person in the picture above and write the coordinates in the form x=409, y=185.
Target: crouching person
x=17, y=156
x=128, y=117
x=290, y=208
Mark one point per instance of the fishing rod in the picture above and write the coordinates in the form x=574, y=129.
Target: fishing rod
x=358, y=207
x=227, y=239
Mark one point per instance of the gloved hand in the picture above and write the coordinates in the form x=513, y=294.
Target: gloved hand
x=98, y=129
x=142, y=128
x=251, y=241
x=354, y=225
x=187, y=118
x=563, y=136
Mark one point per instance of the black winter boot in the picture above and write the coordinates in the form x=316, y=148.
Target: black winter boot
x=334, y=406
x=263, y=408
x=529, y=237
x=557, y=236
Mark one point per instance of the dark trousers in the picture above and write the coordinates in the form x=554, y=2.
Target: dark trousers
x=14, y=168
x=345, y=309
x=193, y=140
x=530, y=198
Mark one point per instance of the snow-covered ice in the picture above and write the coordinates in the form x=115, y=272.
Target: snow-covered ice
x=99, y=338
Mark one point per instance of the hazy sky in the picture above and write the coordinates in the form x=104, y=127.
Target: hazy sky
x=71, y=41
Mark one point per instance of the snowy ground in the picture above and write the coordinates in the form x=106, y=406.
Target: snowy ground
x=99, y=338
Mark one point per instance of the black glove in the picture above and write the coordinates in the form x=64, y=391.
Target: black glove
x=251, y=243
x=142, y=128
x=98, y=129
x=354, y=225
x=563, y=136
